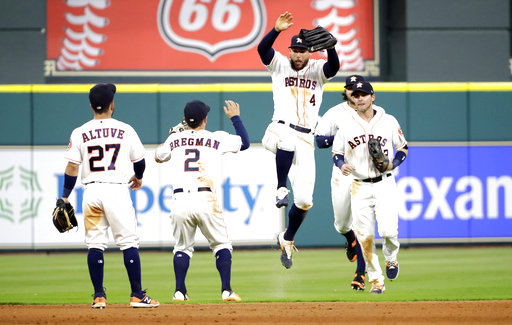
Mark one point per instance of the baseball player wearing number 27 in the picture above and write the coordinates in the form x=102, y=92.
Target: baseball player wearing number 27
x=194, y=157
x=297, y=85
x=112, y=162
x=364, y=137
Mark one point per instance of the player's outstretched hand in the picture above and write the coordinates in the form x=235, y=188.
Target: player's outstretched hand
x=284, y=22
x=231, y=109
x=346, y=169
x=135, y=183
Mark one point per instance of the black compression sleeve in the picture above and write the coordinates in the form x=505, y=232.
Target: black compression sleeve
x=324, y=141
x=265, y=49
x=332, y=65
x=339, y=160
x=139, y=168
x=241, y=131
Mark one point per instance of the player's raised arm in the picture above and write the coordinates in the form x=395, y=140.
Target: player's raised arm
x=332, y=65
x=232, y=110
x=265, y=49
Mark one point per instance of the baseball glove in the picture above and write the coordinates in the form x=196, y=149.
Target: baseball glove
x=318, y=38
x=64, y=216
x=380, y=160
x=182, y=126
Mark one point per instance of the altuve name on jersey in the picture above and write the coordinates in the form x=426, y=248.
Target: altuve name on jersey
x=196, y=142
x=103, y=133
x=301, y=83
x=362, y=140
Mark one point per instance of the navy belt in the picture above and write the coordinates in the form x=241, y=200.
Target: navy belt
x=296, y=127
x=199, y=189
x=375, y=179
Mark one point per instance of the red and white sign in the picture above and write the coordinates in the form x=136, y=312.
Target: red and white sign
x=92, y=37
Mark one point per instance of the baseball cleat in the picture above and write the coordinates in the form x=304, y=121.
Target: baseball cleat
x=377, y=288
x=392, y=270
x=287, y=249
x=351, y=251
x=282, y=197
x=145, y=302
x=99, y=302
x=230, y=296
x=358, y=282
x=180, y=296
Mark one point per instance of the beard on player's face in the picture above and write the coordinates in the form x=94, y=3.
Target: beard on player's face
x=298, y=64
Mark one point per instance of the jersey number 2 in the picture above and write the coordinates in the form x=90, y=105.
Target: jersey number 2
x=193, y=159
x=100, y=156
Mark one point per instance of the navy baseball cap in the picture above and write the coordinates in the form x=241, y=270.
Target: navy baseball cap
x=101, y=95
x=196, y=111
x=363, y=86
x=353, y=79
x=298, y=41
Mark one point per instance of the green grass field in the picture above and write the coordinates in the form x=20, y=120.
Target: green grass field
x=451, y=273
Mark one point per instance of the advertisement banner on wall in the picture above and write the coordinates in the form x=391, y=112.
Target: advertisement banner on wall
x=191, y=37
x=28, y=192
x=456, y=193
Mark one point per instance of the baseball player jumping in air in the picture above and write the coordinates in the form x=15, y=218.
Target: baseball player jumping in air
x=195, y=156
x=112, y=160
x=374, y=191
x=297, y=85
x=328, y=126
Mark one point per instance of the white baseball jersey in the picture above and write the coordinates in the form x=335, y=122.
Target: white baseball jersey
x=352, y=141
x=328, y=125
x=297, y=94
x=195, y=158
x=107, y=148
x=376, y=201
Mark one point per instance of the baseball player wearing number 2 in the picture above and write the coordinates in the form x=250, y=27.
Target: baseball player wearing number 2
x=297, y=85
x=195, y=156
x=112, y=160
x=373, y=193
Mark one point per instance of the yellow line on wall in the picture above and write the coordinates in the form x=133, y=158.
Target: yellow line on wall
x=261, y=87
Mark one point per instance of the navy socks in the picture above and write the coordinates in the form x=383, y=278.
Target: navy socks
x=284, y=160
x=224, y=267
x=181, y=263
x=132, y=264
x=95, y=263
x=361, y=265
x=295, y=218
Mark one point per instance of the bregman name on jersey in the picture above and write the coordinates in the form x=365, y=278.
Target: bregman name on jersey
x=197, y=142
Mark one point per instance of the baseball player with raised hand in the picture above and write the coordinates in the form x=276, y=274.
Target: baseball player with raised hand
x=328, y=126
x=297, y=85
x=194, y=157
x=363, y=148
x=112, y=162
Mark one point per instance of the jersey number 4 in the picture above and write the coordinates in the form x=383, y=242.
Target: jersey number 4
x=99, y=155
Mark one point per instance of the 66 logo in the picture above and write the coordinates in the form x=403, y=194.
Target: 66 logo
x=211, y=27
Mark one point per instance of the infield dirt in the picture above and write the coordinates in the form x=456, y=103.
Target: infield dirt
x=423, y=312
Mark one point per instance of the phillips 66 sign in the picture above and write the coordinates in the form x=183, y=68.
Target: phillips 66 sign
x=184, y=25
x=190, y=37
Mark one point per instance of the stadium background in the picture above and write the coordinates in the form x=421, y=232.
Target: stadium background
x=445, y=76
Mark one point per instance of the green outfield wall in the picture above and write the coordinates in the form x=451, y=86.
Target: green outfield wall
x=45, y=115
